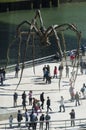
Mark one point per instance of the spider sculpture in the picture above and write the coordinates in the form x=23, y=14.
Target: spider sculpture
x=44, y=36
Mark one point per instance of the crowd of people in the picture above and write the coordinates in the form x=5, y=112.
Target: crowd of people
x=36, y=115
x=37, y=105
x=31, y=117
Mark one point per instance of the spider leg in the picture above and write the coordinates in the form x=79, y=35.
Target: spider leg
x=44, y=35
x=32, y=26
x=61, y=28
x=73, y=28
x=38, y=15
x=19, y=27
x=24, y=58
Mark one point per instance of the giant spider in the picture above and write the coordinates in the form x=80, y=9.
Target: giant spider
x=44, y=36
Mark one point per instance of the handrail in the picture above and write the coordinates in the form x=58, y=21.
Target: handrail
x=54, y=124
x=37, y=61
x=30, y=63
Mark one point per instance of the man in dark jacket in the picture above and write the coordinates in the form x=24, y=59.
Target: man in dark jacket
x=48, y=103
x=47, y=119
x=42, y=99
x=72, y=117
x=19, y=118
x=15, y=97
x=41, y=121
x=24, y=100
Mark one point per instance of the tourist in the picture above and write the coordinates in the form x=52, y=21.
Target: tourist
x=26, y=117
x=57, y=57
x=47, y=77
x=67, y=71
x=72, y=117
x=47, y=119
x=55, y=72
x=15, y=97
x=41, y=121
x=24, y=100
x=83, y=49
x=1, y=79
x=16, y=70
x=44, y=72
x=48, y=103
x=30, y=97
x=72, y=57
x=19, y=118
x=62, y=104
x=60, y=70
x=33, y=120
x=83, y=90
x=10, y=121
x=4, y=73
x=77, y=99
x=48, y=68
x=72, y=93
x=42, y=99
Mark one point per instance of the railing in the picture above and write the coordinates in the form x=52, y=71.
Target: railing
x=31, y=62
x=37, y=61
x=53, y=125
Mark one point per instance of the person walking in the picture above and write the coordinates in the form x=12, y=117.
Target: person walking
x=77, y=99
x=19, y=118
x=42, y=99
x=72, y=117
x=15, y=97
x=62, y=104
x=48, y=103
x=47, y=119
x=41, y=121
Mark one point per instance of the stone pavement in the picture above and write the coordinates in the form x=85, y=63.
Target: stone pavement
x=34, y=82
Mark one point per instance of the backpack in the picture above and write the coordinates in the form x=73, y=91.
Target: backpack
x=82, y=90
x=47, y=117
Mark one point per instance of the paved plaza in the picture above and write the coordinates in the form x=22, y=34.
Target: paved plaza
x=34, y=82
